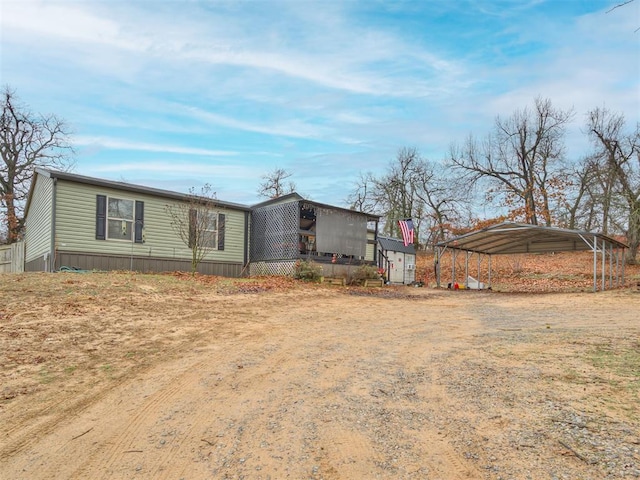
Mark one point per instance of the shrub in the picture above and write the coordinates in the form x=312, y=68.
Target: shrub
x=363, y=273
x=307, y=270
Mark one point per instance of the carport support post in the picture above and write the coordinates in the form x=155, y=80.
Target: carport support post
x=611, y=265
x=604, y=254
x=438, y=252
x=489, y=270
x=453, y=266
x=595, y=263
x=466, y=269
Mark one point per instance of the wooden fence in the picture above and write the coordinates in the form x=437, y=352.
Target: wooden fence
x=12, y=258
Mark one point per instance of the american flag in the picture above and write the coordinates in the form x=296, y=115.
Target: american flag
x=406, y=226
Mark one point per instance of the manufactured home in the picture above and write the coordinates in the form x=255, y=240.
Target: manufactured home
x=93, y=224
x=89, y=223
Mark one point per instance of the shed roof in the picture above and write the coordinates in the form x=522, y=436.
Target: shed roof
x=396, y=245
x=509, y=238
x=296, y=197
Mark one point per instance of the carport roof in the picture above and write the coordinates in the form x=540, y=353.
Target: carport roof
x=511, y=238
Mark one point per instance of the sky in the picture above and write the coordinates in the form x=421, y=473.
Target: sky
x=174, y=94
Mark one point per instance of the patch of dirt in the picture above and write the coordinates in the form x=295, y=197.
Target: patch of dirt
x=126, y=376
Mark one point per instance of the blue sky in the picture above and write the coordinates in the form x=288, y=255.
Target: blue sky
x=173, y=94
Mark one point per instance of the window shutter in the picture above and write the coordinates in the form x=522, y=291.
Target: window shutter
x=101, y=217
x=221, y=217
x=139, y=221
x=193, y=217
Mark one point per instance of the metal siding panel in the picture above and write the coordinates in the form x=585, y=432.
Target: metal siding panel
x=39, y=221
x=369, y=253
x=76, y=227
x=86, y=261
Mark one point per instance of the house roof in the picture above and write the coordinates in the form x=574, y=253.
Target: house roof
x=291, y=197
x=509, y=237
x=396, y=245
x=129, y=187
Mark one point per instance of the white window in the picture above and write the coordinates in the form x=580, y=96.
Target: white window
x=120, y=219
x=210, y=230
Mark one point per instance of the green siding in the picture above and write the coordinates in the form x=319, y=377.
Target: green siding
x=39, y=219
x=371, y=247
x=75, y=226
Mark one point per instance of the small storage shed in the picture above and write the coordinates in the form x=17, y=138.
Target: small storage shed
x=397, y=260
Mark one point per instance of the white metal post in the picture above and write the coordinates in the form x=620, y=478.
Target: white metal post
x=453, y=266
x=610, y=266
x=604, y=251
x=595, y=263
x=466, y=270
x=489, y=271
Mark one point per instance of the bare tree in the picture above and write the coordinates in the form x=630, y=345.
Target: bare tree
x=27, y=141
x=396, y=191
x=413, y=188
x=444, y=198
x=619, y=154
x=580, y=208
x=522, y=161
x=622, y=4
x=275, y=184
x=198, y=223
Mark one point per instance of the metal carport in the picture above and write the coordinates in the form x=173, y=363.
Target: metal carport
x=510, y=238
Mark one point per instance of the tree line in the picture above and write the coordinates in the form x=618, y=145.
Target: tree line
x=519, y=171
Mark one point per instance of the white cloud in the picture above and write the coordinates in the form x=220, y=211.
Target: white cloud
x=201, y=170
x=288, y=128
x=347, y=58
x=128, y=145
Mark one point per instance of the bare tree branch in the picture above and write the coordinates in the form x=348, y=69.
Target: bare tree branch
x=619, y=5
x=274, y=184
x=27, y=141
x=197, y=222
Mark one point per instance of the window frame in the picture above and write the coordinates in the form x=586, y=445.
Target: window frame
x=213, y=233
x=132, y=221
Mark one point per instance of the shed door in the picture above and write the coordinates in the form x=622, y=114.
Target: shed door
x=396, y=269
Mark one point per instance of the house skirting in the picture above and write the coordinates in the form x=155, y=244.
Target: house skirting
x=146, y=264
x=287, y=267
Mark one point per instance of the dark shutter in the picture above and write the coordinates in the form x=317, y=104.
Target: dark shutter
x=221, y=231
x=139, y=221
x=193, y=217
x=101, y=217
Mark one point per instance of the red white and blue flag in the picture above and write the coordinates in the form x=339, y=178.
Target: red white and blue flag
x=406, y=227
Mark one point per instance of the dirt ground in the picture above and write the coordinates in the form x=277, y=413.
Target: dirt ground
x=130, y=376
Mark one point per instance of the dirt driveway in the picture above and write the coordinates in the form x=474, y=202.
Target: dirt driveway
x=124, y=376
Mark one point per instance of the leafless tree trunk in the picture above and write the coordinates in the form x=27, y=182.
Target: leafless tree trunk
x=412, y=188
x=620, y=154
x=576, y=201
x=522, y=160
x=27, y=141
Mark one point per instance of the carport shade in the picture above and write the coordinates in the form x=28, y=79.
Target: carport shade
x=511, y=238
